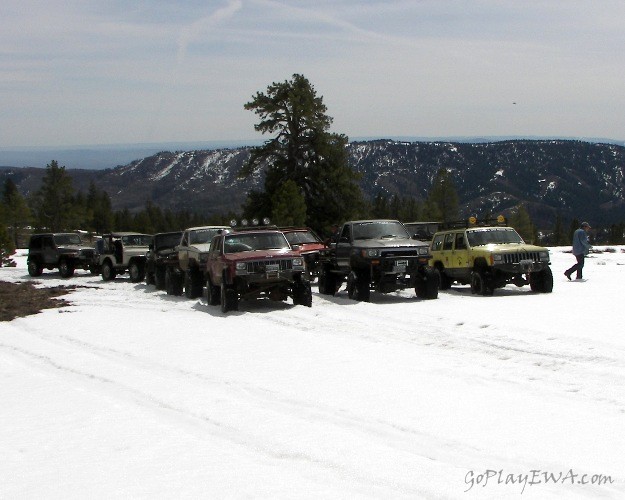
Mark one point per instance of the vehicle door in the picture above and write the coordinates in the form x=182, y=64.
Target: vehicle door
x=49, y=251
x=214, y=264
x=460, y=255
x=344, y=246
x=183, y=251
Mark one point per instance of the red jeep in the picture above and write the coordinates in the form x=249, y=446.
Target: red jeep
x=250, y=263
x=305, y=242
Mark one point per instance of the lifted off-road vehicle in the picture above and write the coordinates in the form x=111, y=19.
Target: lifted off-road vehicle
x=64, y=251
x=186, y=269
x=377, y=255
x=161, y=251
x=489, y=257
x=121, y=252
x=247, y=264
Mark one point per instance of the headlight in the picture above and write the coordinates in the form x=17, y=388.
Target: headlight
x=241, y=267
x=544, y=256
x=298, y=262
x=424, y=250
x=204, y=257
x=372, y=252
x=497, y=257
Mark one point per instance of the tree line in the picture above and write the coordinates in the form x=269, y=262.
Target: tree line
x=307, y=182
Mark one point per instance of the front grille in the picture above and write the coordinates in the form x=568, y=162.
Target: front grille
x=399, y=252
x=260, y=266
x=515, y=258
x=87, y=253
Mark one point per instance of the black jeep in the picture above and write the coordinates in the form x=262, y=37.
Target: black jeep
x=64, y=251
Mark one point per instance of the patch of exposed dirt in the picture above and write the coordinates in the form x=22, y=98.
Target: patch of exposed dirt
x=23, y=299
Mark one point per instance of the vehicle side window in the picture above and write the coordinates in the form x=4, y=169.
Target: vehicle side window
x=47, y=242
x=437, y=244
x=214, y=245
x=185, y=240
x=35, y=243
x=449, y=241
x=460, y=242
x=345, y=233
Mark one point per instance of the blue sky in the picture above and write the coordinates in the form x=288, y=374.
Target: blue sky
x=78, y=72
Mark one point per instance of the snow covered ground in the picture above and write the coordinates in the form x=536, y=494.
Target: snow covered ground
x=130, y=393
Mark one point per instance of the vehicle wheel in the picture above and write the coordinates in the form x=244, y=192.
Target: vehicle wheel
x=327, y=282
x=135, y=269
x=479, y=284
x=229, y=299
x=212, y=293
x=302, y=294
x=108, y=272
x=34, y=268
x=358, y=286
x=446, y=281
x=159, y=278
x=542, y=281
x=192, y=284
x=66, y=268
x=428, y=284
x=173, y=284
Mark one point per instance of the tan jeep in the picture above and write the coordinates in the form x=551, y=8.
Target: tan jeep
x=489, y=257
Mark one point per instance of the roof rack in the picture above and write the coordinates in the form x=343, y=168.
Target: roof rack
x=473, y=221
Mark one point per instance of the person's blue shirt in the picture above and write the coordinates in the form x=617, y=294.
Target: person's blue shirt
x=581, y=246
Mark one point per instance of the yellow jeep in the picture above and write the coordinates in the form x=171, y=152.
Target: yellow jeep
x=489, y=257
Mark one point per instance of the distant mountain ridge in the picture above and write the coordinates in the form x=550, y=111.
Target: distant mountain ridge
x=574, y=178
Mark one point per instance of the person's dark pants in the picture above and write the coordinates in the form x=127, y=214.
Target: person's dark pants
x=577, y=267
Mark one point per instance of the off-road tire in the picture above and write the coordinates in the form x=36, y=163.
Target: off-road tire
x=428, y=283
x=327, y=282
x=108, y=272
x=479, y=284
x=228, y=298
x=159, y=278
x=445, y=281
x=66, y=268
x=173, y=284
x=302, y=294
x=542, y=281
x=136, y=272
x=34, y=268
x=192, y=284
x=213, y=292
x=358, y=286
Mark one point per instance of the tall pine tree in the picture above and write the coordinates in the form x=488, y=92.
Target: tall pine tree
x=304, y=151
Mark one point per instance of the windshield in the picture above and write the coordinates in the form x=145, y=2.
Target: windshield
x=136, y=240
x=202, y=236
x=300, y=237
x=255, y=241
x=379, y=229
x=167, y=240
x=493, y=235
x=67, y=239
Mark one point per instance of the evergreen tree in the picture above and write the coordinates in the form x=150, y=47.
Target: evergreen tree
x=442, y=201
x=289, y=206
x=520, y=220
x=16, y=212
x=99, y=210
x=559, y=235
x=54, y=203
x=302, y=150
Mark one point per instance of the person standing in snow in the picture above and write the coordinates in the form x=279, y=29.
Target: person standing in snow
x=581, y=247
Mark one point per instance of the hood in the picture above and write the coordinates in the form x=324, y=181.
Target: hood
x=261, y=255
x=390, y=243
x=511, y=248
